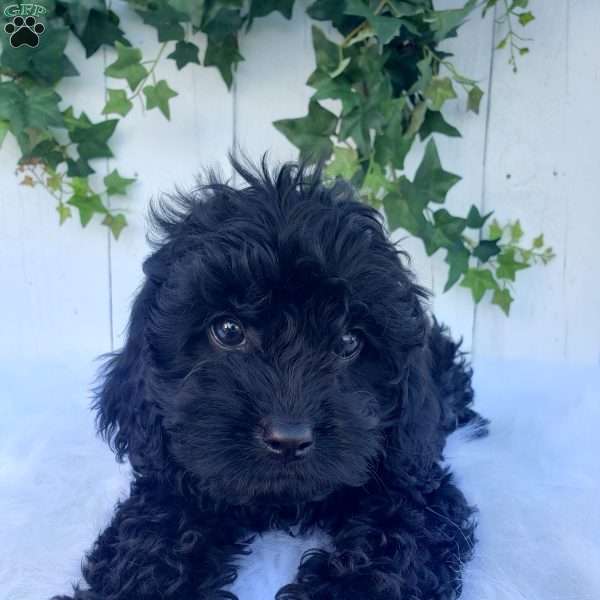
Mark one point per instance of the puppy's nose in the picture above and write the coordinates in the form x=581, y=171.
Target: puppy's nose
x=288, y=439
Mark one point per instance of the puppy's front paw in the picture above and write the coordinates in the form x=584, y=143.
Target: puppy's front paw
x=357, y=589
x=344, y=574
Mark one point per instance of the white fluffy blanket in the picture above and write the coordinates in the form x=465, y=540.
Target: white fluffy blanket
x=535, y=479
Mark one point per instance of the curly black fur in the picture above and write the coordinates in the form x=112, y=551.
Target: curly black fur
x=298, y=263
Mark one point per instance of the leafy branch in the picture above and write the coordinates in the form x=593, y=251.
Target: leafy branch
x=511, y=11
x=386, y=70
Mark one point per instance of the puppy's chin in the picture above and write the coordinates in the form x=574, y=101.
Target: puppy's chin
x=279, y=491
x=290, y=496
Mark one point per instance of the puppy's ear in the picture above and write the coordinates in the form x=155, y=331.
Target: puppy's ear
x=126, y=418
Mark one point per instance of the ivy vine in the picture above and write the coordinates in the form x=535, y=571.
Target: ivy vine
x=380, y=63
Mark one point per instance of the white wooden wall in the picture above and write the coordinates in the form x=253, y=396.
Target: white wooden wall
x=531, y=154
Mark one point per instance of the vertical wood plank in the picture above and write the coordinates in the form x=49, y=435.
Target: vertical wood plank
x=271, y=83
x=163, y=154
x=54, y=301
x=581, y=267
x=526, y=178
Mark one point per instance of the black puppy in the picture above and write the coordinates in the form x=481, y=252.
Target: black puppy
x=281, y=372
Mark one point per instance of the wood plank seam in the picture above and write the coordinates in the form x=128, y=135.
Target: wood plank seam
x=482, y=204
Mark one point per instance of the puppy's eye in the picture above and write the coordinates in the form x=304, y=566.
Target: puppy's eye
x=348, y=345
x=227, y=333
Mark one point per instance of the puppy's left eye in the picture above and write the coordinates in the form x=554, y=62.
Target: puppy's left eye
x=348, y=345
x=227, y=333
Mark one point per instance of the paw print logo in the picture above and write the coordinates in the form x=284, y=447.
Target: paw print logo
x=24, y=32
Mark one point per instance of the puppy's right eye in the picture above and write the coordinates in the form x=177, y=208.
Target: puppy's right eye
x=349, y=345
x=228, y=333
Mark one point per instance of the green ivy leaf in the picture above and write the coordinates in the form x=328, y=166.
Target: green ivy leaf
x=184, y=54
x=221, y=22
x=127, y=66
x=516, y=232
x=458, y=262
x=78, y=12
x=486, y=249
x=475, y=220
x=538, y=242
x=417, y=119
x=370, y=107
x=311, y=134
x=224, y=54
x=64, y=213
x=4, y=128
x=503, y=299
x=495, y=231
x=79, y=168
x=92, y=140
x=344, y=164
x=479, y=281
x=118, y=103
x=355, y=125
x=434, y=122
x=87, y=205
x=431, y=180
x=327, y=54
x=474, y=99
x=404, y=210
x=525, y=18
x=71, y=122
x=508, y=265
x=12, y=106
x=158, y=96
x=326, y=10
x=434, y=239
x=116, y=184
x=392, y=150
x=451, y=226
x=444, y=23
x=391, y=146
x=36, y=108
x=49, y=152
x=194, y=10
x=102, y=27
x=547, y=255
x=262, y=8
x=329, y=88
x=80, y=186
x=165, y=19
x=41, y=108
x=54, y=182
x=385, y=28
x=438, y=91
x=425, y=71
x=116, y=224
x=375, y=185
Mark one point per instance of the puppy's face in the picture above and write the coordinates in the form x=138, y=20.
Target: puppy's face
x=278, y=334
x=279, y=398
